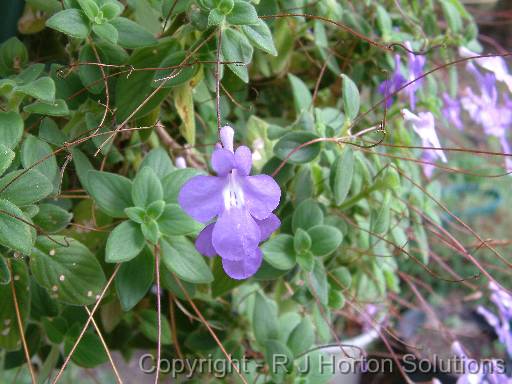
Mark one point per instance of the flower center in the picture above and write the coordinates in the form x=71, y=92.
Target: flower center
x=233, y=193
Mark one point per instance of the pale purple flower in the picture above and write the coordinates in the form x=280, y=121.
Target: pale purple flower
x=496, y=65
x=393, y=84
x=415, y=64
x=424, y=125
x=243, y=206
x=452, y=110
x=484, y=109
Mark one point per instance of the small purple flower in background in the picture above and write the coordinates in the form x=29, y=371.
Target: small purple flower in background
x=424, y=125
x=452, y=110
x=501, y=321
x=393, y=84
x=485, y=110
x=180, y=162
x=415, y=64
x=243, y=206
x=496, y=65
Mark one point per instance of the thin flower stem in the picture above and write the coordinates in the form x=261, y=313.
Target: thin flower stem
x=217, y=80
x=84, y=329
x=105, y=346
x=172, y=315
x=210, y=330
x=20, y=326
x=159, y=313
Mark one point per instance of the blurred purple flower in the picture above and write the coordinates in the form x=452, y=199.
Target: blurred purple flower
x=243, y=206
x=485, y=110
x=393, y=84
x=415, y=64
x=452, y=110
x=424, y=125
x=496, y=65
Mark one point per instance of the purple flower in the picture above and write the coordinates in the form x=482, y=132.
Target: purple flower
x=496, y=65
x=415, y=64
x=452, y=111
x=424, y=125
x=243, y=206
x=393, y=84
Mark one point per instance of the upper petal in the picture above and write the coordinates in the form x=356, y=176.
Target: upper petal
x=261, y=194
x=235, y=234
x=245, y=268
x=201, y=197
x=226, y=137
x=243, y=160
x=223, y=161
x=268, y=226
x=204, y=241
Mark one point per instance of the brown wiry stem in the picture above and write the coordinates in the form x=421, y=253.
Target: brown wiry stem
x=159, y=313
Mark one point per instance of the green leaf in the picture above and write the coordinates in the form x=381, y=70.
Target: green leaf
x=279, y=252
x=242, y=13
x=307, y=215
x=134, y=279
x=279, y=358
x=340, y=278
x=23, y=190
x=51, y=218
x=136, y=214
x=150, y=231
x=72, y=22
x=58, y=108
x=184, y=103
x=175, y=222
x=302, y=337
x=306, y=261
x=90, y=75
x=124, y=243
x=452, y=16
x=260, y=36
x=351, y=99
x=5, y=274
x=146, y=188
x=180, y=256
x=155, y=209
x=35, y=150
x=215, y=18
x=15, y=233
x=90, y=8
x=111, y=10
x=111, y=192
x=42, y=89
x=341, y=175
x=236, y=48
x=55, y=329
x=336, y=299
x=159, y=161
x=148, y=326
x=325, y=239
x=9, y=334
x=6, y=158
x=384, y=22
x=107, y=32
x=13, y=55
x=173, y=182
x=318, y=282
x=68, y=270
x=89, y=352
x=289, y=143
x=82, y=166
x=301, y=241
x=173, y=76
x=131, y=34
x=11, y=129
x=301, y=95
x=264, y=319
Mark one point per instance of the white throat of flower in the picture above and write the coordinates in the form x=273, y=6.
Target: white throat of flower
x=233, y=193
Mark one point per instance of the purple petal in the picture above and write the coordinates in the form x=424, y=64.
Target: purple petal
x=226, y=137
x=223, y=161
x=268, y=226
x=204, y=241
x=262, y=195
x=235, y=234
x=243, y=160
x=244, y=268
x=201, y=197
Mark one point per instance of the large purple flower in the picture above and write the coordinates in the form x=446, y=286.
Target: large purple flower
x=393, y=84
x=243, y=206
x=424, y=125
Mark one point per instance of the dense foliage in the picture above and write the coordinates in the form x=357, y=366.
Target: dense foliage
x=108, y=108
